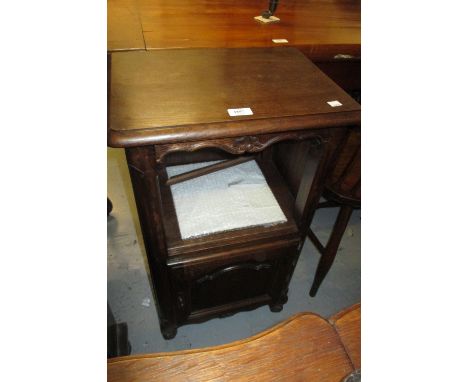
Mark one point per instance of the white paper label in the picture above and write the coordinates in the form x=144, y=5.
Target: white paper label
x=335, y=103
x=241, y=111
x=280, y=40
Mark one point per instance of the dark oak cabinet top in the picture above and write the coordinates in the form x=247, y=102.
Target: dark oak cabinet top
x=168, y=96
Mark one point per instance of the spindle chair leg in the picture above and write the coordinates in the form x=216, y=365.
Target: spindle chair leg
x=328, y=253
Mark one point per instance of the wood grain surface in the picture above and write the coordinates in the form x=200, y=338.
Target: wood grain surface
x=348, y=325
x=304, y=348
x=325, y=28
x=183, y=95
x=123, y=26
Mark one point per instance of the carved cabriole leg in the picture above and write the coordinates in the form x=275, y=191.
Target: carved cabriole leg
x=142, y=167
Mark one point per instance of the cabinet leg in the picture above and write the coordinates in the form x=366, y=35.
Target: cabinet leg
x=329, y=253
x=277, y=306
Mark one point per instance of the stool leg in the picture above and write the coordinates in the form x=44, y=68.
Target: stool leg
x=329, y=253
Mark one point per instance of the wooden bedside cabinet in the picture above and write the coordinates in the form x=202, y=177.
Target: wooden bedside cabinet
x=268, y=112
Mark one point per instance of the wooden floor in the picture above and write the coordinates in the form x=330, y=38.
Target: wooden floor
x=305, y=347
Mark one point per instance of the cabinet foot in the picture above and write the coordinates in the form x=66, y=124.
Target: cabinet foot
x=169, y=333
x=276, y=307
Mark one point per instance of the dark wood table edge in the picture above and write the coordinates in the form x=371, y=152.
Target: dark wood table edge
x=229, y=129
x=317, y=52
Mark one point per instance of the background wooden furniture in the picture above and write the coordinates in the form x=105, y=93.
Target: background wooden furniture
x=304, y=348
x=169, y=107
x=347, y=323
x=343, y=189
x=325, y=27
x=326, y=31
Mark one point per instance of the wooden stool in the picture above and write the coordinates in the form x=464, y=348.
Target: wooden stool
x=344, y=190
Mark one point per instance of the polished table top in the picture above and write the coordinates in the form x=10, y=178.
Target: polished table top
x=305, y=347
x=184, y=94
x=324, y=28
